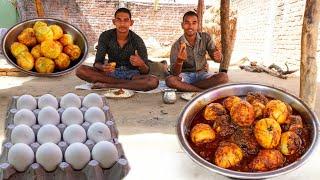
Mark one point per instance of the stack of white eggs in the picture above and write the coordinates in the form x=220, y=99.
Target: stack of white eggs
x=72, y=114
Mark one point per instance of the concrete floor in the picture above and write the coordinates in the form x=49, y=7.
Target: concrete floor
x=147, y=126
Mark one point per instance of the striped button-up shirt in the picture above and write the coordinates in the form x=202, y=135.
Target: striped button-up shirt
x=196, y=60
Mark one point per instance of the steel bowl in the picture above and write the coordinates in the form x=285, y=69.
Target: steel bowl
x=78, y=37
x=200, y=101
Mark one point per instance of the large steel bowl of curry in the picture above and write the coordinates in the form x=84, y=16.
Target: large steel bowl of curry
x=197, y=105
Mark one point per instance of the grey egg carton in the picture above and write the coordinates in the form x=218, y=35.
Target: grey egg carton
x=12, y=109
x=64, y=171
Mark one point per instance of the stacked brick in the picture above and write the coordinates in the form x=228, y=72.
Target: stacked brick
x=268, y=31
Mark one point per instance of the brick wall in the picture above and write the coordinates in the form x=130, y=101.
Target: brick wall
x=267, y=30
x=251, y=28
x=287, y=31
x=94, y=17
x=163, y=24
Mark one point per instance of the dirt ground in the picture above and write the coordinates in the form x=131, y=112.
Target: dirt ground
x=138, y=114
x=146, y=124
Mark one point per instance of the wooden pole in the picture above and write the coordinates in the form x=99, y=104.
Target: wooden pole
x=308, y=66
x=39, y=8
x=200, y=14
x=225, y=35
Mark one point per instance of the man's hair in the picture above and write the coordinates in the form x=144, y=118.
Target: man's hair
x=189, y=13
x=124, y=10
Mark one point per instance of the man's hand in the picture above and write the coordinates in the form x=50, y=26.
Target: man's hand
x=108, y=68
x=217, y=56
x=136, y=60
x=182, y=54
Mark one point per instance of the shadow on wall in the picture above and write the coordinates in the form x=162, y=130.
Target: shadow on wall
x=69, y=11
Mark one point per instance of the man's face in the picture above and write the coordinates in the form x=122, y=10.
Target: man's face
x=190, y=25
x=122, y=22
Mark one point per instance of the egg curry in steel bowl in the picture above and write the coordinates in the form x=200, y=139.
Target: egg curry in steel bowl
x=248, y=133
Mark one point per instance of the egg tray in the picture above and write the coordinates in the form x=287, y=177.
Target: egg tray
x=64, y=170
x=12, y=109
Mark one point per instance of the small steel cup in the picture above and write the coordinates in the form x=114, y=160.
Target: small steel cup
x=169, y=96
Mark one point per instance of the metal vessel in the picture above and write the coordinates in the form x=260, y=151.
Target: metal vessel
x=78, y=37
x=199, y=102
x=169, y=96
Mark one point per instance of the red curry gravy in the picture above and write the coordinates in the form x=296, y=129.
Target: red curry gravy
x=207, y=150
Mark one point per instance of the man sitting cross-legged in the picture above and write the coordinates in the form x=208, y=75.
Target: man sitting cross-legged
x=187, y=59
x=127, y=65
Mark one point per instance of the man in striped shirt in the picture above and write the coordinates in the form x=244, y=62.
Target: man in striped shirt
x=188, y=61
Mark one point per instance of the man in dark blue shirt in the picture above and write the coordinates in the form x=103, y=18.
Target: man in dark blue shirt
x=126, y=66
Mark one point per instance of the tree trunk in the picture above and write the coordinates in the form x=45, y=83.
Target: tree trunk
x=308, y=66
x=225, y=35
x=200, y=14
x=39, y=8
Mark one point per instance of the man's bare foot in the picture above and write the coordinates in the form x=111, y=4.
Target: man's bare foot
x=98, y=85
